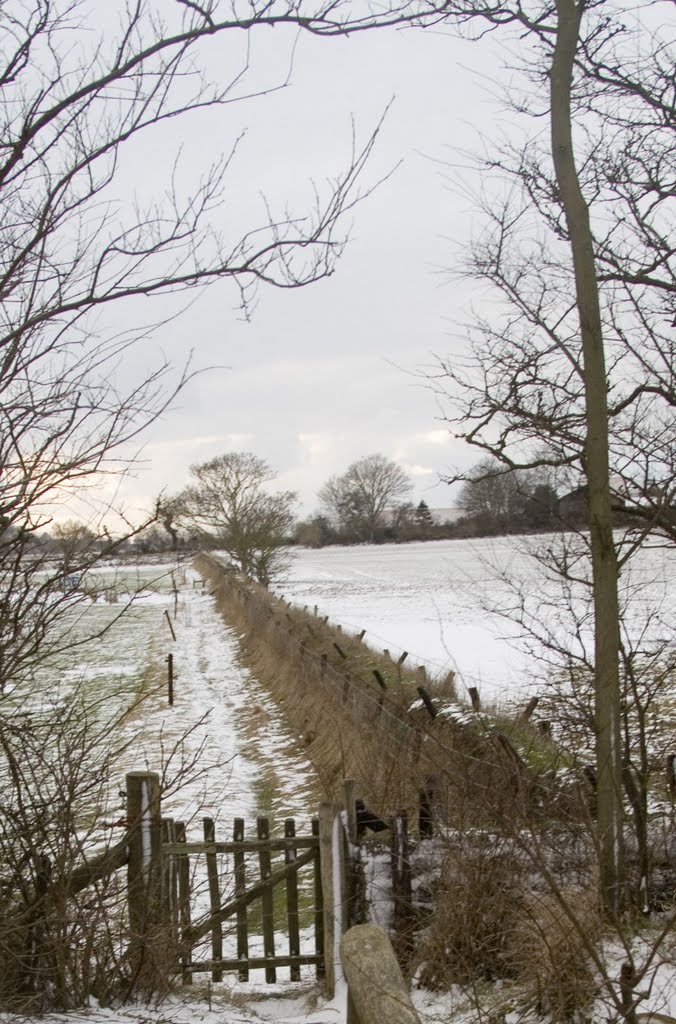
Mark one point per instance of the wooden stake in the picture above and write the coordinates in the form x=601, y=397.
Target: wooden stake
x=290, y=855
x=319, y=906
x=170, y=679
x=214, y=899
x=183, y=905
x=427, y=701
x=263, y=829
x=474, y=697
x=379, y=679
x=530, y=707
x=169, y=622
x=240, y=888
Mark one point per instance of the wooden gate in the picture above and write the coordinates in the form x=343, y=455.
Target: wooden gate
x=250, y=902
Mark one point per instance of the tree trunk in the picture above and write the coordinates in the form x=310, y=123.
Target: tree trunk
x=604, y=560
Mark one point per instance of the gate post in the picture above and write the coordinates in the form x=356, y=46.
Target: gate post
x=147, y=952
x=376, y=988
x=331, y=857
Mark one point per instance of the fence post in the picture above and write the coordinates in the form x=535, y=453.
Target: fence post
x=147, y=948
x=170, y=679
x=402, y=923
x=330, y=853
x=474, y=697
x=355, y=894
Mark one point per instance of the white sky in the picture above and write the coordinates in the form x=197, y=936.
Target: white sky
x=324, y=375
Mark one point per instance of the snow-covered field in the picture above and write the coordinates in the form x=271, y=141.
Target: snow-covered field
x=435, y=600
x=218, y=706
x=448, y=602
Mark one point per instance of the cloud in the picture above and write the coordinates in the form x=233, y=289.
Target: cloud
x=441, y=436
x=418, y=471
x=224, y=442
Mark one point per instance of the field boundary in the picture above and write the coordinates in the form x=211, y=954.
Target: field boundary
x=401, y=734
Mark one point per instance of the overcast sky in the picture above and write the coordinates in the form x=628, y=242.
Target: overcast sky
x=326, y=374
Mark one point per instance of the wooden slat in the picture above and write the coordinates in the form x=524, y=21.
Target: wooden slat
x=99, y=866
x=292, y=900
x=263, y=832
x=240, y=889
x=169, y=893
x=214, y=897
x=257, y=963
x=202, y=927
x=183, y=906
x=246, y=846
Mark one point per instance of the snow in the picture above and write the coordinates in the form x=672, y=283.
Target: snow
x=212, y=696
x=423, y=598
x=222, y=746
x=449, y=603
x=430, y=599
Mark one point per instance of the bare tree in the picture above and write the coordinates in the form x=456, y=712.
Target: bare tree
x=80, y=255
x=492, y=492
x=168, y=515
x=72, y=539
x=229, y=504
x=358, y=499
x=75, y=103
x=501, y=499
x=580, y=247
x=582, y=358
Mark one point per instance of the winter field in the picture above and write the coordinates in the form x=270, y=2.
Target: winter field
x=223, y=741
x=450, y=604
x=204, y=742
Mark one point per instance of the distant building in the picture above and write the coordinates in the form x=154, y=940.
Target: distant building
x=572, y=506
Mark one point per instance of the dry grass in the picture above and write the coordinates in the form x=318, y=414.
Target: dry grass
x=357, y=714
x=489, y=781
x=488, y=926
x=550, y=950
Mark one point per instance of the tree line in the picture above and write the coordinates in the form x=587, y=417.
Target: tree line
x=573, y=373
x=231, y=504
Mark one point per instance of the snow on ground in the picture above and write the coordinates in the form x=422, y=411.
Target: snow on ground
x=419, y=597
x=219, y=704
x=445, y=602
x=223, y=722
x=430, y=599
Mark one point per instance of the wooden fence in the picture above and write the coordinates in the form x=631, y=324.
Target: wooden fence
x=247, y=902
x=239, y=904
x=213, y=883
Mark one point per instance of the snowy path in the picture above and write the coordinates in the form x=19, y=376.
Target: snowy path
x=424, y=598
x=224, y=733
